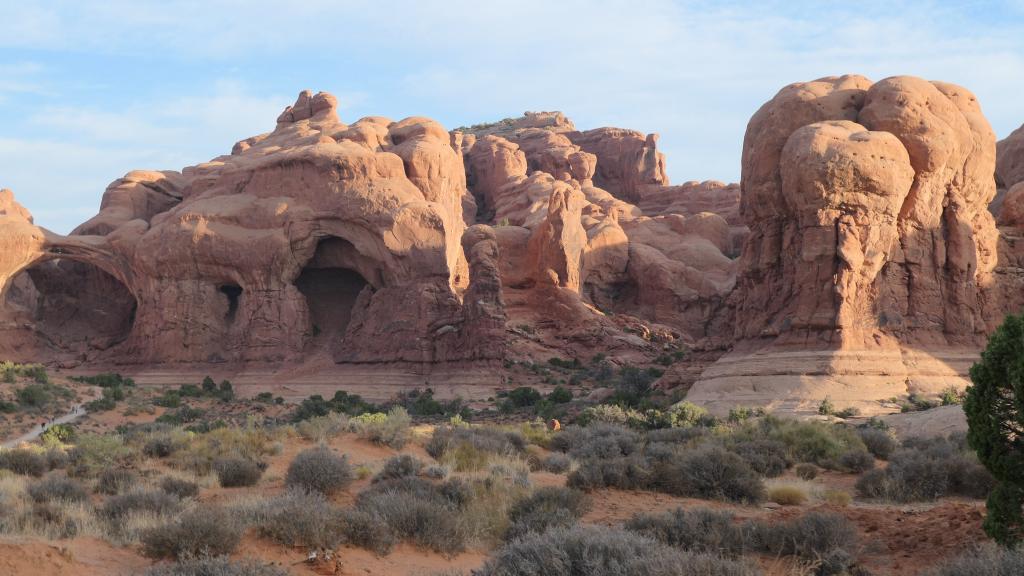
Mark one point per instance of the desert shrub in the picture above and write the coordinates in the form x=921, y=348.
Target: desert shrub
x=234, y=472
x=57, y=435
x=179, y=487
x=23, y=461
x=624, y=472
x=57, y=488
x=485, y=439
x=837, y=497
x=813, y=536
x=318, y=469
x=181, y=416
x=219, y=566
x=695, y=530
x=556, y=463
x=917, y=475
x=546, y=508
x=596, y=441
x=115, y=481
x=56, y=459
x=155, y=502
x=560, y=395
x=768, y=458
x=806, y=441
x=983, y=561
x=202, y=531
x=743, y=413
x=787, y=495
x=401, y=466
x=106, y=380
x=611, y=414
x=250, y=442
x=94, y=453
x=467, y=449
x=602, y=551
x=878, y=442
x=522, y=397
x=806, y=471
x=163, y=445
x=709, y=472
x=826, y=408
x=856, y=461
x=322, y=428
x=34, y=395
x=368, y=529
x=409, y=509
x=391, y=429
x=436, y=472
x=299, y=518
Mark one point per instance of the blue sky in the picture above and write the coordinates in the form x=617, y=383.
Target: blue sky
x=91, y=90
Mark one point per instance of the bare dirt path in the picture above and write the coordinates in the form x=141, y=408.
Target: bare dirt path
x=77, y=411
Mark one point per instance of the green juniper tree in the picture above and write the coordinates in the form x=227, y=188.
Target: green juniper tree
x=994, y=405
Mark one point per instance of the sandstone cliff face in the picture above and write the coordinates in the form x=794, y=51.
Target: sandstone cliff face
x=317, y=235
x=866, y=206
x=873, y=267
x=857, y=259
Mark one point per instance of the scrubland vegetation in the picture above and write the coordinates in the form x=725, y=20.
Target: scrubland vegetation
x=459, y=485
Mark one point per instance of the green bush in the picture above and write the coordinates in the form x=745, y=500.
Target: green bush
x=203, y=531
x=106, y=380
x=992, y=405
x=58, y=434
x=319, y=469
x=34, y=395
x=560, y=395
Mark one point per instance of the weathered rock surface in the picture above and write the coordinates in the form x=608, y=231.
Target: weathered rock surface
x=869, y=236
x=857, y=259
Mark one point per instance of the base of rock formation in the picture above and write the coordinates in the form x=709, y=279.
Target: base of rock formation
x=798, y=381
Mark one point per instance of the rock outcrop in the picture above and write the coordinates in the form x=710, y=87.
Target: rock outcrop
x=857, y=259
x=871, y=257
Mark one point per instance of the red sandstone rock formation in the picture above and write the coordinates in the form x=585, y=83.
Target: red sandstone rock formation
x=873, y=267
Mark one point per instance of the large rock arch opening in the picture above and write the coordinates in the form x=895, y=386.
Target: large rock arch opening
x=71, y=305
x=331, y=283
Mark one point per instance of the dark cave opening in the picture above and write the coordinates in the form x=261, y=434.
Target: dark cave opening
x=72, y=305
x=233, y=292
x=331, y=287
